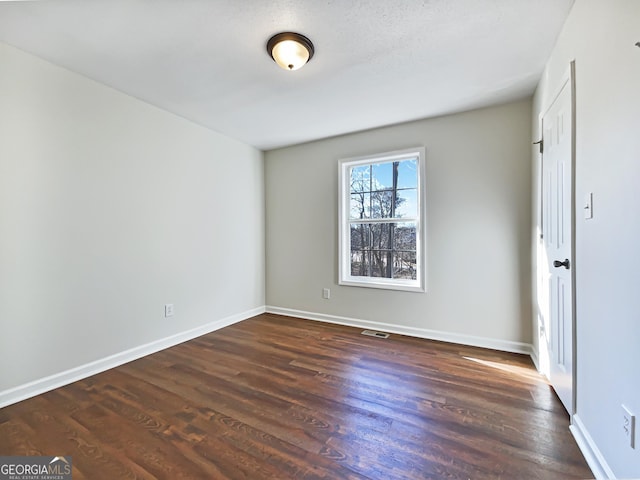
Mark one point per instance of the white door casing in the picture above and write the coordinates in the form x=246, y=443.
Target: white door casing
x=557, y=237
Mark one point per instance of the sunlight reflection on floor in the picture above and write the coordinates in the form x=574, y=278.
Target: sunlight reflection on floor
x=505, y=367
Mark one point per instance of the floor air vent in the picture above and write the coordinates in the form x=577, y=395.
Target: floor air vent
x=372, y=333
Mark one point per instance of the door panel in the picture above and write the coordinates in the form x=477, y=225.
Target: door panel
x=557, y=210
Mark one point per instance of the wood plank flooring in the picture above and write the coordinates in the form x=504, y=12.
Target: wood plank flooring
x=282, y=398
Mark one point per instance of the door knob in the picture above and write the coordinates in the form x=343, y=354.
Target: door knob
x=565, y=264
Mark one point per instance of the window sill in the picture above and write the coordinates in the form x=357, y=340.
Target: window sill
x=406, y=286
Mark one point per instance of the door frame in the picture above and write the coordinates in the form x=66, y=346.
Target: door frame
x=569, y=78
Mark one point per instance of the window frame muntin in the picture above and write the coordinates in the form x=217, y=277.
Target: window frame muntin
x=344, y=221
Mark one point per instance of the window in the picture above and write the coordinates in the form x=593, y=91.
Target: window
x=382, y=221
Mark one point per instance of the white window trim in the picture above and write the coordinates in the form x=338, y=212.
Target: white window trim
x=344, y=251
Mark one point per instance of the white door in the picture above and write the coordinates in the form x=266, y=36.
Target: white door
x=557, y=204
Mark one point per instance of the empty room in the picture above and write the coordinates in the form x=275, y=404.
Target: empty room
x=366, y=240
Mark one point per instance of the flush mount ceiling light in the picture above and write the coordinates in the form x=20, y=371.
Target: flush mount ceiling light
x=290, y=50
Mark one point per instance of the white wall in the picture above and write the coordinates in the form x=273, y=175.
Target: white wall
x=600, y=36
x=110, y=208
x=478, y=219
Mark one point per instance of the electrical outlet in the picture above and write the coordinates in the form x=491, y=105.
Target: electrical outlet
x=326, y=293
x=629, y=426
x=588, y=206
x=168, y=310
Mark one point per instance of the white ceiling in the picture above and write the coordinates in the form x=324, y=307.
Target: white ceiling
x=377, y=62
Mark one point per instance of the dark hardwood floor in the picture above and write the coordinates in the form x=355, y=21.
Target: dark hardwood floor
x=279, y=398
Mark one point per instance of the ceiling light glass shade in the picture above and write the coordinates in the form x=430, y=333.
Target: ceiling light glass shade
x=290, y=50
x=290, y=55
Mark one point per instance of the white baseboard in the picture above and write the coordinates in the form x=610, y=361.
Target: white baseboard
x=590, y=451
x=535, y=359
x=494, y=344
x=31, y=389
